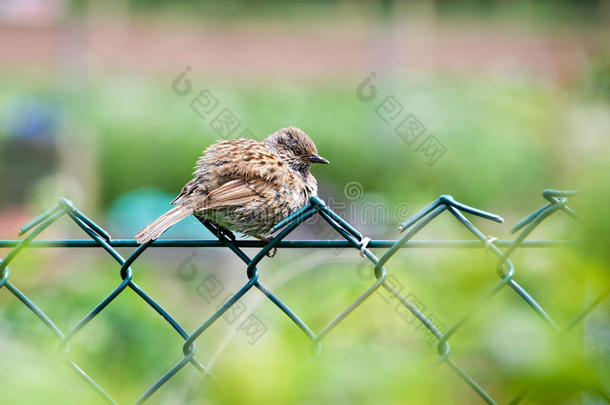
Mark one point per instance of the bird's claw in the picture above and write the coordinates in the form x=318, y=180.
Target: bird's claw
x=265, y=239
x=272, y=252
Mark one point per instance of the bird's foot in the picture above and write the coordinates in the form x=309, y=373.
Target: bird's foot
x=267, y=239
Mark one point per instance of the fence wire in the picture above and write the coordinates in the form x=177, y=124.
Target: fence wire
x=352, y=238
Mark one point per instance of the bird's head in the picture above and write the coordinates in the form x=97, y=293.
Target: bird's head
x=295, y=148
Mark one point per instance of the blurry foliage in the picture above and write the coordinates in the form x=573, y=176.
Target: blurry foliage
x=505, y=141
x=598, y=78
x=541, y=12
x=493, y=131
x=536, y=11
x=375, y=355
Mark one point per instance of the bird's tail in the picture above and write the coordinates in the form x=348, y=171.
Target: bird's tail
x=161, y=224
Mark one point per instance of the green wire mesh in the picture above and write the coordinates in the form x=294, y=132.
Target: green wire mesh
x=352, y=238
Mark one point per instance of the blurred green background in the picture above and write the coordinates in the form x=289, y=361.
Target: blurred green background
x=93, y=108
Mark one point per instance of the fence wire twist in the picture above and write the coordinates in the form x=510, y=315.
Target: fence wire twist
x=556, y=201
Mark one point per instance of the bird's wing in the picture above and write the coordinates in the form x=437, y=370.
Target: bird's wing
x=223, y=164
x=234, y=192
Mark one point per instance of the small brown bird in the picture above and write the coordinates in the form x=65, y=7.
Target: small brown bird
x=245, y=185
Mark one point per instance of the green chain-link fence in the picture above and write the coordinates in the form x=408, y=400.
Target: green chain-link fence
x=503, y=249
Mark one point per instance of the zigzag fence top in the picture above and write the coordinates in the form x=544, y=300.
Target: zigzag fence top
x=351, y=239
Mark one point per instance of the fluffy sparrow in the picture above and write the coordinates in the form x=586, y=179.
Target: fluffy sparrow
x=246, y=186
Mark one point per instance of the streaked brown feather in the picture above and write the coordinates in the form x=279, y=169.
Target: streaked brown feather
x=234, y=192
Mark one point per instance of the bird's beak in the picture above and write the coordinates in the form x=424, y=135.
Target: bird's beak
x=318, y=159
